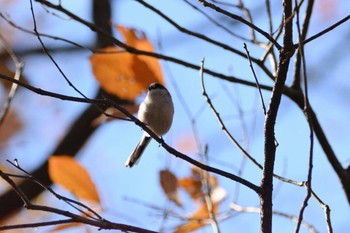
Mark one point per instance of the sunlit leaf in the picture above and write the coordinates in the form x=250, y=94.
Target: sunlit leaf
x=169, y=184
x=124, y=74
x=198, y=219
x=192, y=186
x=67, y=172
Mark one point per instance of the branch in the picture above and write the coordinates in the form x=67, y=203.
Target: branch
x=297, y=67
x=239, y=208
x=131, y=117
x=296, y=96
x=240, y=19
x=72, y=217
x=270, y=120
x=256, y=79
x=11, y=23
x=340, y=22
x=81, y=129
x=133, y=50
x=308, y=116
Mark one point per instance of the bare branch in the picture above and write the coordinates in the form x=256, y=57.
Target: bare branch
x=307, y=111
x=72, y=217
x=240, y=19
x=133, y=50
x=239, y=208
x=340, y=22
x=327, y=212
x=270, y=121
x=143, y=126
x=256, y=79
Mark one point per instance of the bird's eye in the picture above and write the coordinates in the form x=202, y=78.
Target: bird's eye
x=155, y=86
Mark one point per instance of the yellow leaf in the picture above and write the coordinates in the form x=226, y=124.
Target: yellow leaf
x=67, y=172
x=124, y=74
x=168, y=182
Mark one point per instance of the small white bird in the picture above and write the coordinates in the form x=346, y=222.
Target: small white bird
x=156, y=111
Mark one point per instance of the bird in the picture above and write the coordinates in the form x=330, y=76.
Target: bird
x=156, y=111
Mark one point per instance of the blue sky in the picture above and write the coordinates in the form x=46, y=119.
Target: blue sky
x=106, y=151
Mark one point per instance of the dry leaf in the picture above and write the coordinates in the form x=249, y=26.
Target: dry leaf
x=10, y=126
x=192, y=186
x=124, y=74
x=198, y=219
x=67, y=172
x=168, y=182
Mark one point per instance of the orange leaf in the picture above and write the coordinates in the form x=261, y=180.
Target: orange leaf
x=168, y=182
x=124, y=74
x=67, y=172
x=192, y=186
x=198, y=219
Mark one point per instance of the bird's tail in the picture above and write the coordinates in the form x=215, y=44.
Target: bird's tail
x=139, y=149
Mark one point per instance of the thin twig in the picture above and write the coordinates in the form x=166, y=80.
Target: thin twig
x=293, y=218
x=10, y=22
x=49, y=54
x=216, y=23
x=327, y=212
x=296, y=83
x=36, y=224
x=133, y=50
x=131, y=117
x=71, y=202
x=249, y=17
x=243, y=151
x=207, y=190
x=309, y=119
x=256, y=79
x=340, y=22
x=19, y=67
x=100, y=223
x=240, y=19
x=269, y=15
x=197, y=35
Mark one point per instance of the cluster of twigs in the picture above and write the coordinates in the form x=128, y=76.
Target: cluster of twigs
x=84, y=214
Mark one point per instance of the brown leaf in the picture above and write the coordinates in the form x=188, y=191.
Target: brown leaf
x=168, y=181
x=124, y=74
x=198, y=219
x=67, y=172
x=10, y=126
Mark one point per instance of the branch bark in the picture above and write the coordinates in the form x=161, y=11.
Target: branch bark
x=269, y=133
